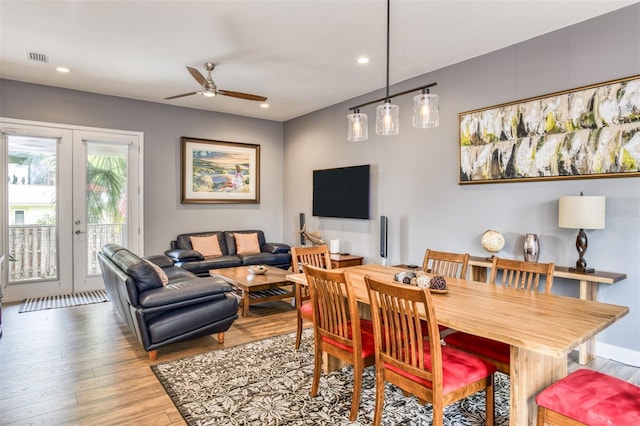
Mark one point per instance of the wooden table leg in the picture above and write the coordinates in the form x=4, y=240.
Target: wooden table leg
x=588, y=291
x=245, y=303
x=530, y=373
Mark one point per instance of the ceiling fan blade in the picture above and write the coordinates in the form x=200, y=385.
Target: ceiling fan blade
x=180, y=96
x=198, y=76
x=241, y=95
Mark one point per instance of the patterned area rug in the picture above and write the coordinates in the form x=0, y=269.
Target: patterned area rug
x=268, y=382
x=63, y=301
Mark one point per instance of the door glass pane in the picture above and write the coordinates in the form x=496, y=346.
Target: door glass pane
x=32, y=196
x=106, y=199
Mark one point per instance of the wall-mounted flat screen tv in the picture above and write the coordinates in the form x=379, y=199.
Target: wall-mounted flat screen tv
x=341, y=192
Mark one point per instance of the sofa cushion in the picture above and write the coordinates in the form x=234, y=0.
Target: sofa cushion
x=183, y=241
x=161, y=274
x=202, y=267
x=230, y=239
x=247, y=243
x=207, y=246
x=145, y=276
x=261, y=259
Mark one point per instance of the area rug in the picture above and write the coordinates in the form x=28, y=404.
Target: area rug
x=63, y=301
x=267, y=383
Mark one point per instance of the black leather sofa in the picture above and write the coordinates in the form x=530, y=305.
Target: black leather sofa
x=158, y=314
x=184, y=256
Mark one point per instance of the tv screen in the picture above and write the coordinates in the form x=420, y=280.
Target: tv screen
x=341, y=192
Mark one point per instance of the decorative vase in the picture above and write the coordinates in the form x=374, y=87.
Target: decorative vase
x=531, y=248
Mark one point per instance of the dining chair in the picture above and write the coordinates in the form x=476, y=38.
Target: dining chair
x=588, y=397
x=445, y=263
x=338, y=329
x=448, y=265
x=417, y=365
x=317, y=256
x=514, y=274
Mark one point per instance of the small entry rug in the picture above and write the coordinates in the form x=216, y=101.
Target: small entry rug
x=63, y=301
x=267, y=383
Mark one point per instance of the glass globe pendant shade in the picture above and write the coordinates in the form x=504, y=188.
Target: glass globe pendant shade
x=426, y=112
x=387, y=119
x=357, y=127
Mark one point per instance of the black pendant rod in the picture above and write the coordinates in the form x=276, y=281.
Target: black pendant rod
x=388, y=97
x=388, y=23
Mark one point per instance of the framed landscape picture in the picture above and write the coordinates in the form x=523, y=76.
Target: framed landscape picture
x=219, y=172
x=588, y=132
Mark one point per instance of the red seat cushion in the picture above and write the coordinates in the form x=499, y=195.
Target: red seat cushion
x=479, y=345
x=306, y=311
x=368, y=344
x=458, y=369
x=593, y=398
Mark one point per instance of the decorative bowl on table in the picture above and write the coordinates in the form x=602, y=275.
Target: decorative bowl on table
x=257, y=269
x=435, y=284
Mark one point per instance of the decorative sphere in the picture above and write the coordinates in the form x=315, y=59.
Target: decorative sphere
x=492, y=241
x=438, y=283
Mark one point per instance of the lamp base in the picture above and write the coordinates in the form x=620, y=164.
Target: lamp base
x=582, y=270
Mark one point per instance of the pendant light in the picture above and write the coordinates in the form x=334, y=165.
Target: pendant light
x=425, y=110
x=388, y=114
x=357, y=127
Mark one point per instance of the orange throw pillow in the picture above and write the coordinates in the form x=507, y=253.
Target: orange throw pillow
x=247, y=243
x=207, y=246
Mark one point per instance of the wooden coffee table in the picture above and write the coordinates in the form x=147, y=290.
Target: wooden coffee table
x=256, y=288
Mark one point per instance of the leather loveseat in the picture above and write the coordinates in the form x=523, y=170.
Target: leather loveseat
x=159, y=314
x=183, y=254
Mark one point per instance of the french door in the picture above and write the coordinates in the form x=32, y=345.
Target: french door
x=69, y=191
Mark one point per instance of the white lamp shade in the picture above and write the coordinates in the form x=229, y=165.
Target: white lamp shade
x=426, y=113
x=357, y=127
x=387, y=119
x=582, y=212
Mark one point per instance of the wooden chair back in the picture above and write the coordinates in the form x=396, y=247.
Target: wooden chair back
x=446, y=264
x=335, y=308
x=396, y=309
x=317, y=256
x=521, y=275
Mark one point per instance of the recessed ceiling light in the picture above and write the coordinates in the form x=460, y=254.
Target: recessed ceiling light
x=362, y=60
x=63, y=69
x=264, y=105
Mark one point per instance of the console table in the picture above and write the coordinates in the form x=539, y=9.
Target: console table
x=345, y=260
x=588, y=290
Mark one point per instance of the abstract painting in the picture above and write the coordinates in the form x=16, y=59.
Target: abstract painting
x=588, y=132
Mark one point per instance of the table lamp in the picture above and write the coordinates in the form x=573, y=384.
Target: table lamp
x=580, y=212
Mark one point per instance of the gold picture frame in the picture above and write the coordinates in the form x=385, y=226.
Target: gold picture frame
x=588, y=132
x=215, y=172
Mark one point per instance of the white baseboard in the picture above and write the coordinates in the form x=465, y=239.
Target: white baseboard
x=616, y=353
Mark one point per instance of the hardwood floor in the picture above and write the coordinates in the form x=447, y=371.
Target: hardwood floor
x=82, y=366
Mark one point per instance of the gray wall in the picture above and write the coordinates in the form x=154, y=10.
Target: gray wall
x=415, y=174
x=163, y=125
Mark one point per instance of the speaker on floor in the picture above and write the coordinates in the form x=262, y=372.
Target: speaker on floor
x=384, y=226
x=302, y=239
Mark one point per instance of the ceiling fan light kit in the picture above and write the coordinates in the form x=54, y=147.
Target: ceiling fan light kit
x=426, y=114
x=209, y=88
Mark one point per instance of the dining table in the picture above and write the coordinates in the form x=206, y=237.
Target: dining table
x=541, y=329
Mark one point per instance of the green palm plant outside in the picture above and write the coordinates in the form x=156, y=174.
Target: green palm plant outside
x=106, y=189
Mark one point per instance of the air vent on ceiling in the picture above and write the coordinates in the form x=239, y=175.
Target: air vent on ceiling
x=38, y=57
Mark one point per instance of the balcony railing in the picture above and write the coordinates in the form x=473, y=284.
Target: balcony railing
x=34, y=248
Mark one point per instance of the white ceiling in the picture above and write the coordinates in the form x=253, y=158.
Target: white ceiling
x=300, y=54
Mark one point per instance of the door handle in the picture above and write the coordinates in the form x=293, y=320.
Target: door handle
x=78, y=232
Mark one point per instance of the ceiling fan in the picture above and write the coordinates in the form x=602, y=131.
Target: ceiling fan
x=209, y=88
